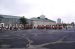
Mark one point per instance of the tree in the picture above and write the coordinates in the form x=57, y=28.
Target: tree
x=46, y=18
x=38, y=17
x=64, y=25
x=23, y=21
x=72, y=23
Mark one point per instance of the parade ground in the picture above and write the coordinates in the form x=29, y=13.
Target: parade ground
x=38, y=39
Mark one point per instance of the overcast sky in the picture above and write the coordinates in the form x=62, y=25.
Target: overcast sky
x=52, y=9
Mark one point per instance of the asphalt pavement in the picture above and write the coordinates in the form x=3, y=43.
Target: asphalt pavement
x=38, y=38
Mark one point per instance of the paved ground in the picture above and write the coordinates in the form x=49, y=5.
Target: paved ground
x=39, y=39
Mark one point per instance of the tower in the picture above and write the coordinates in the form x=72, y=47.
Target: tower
x=59, y=20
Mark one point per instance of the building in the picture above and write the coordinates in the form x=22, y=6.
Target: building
x=42, y=21
x=8, y=20
x=58, y=21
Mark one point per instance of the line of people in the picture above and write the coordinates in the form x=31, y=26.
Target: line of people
x=32, y=27
x=49, y=27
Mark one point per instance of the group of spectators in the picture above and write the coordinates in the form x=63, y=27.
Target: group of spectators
x=8, y=28
x=49, y=27
x=32, y=27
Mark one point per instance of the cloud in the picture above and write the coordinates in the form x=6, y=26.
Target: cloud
x=52, y=9
x=14, y=6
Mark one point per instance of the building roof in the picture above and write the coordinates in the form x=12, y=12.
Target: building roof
x=41, y=19
x=8, y=16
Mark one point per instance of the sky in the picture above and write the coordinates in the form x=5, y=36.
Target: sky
x=52, y=9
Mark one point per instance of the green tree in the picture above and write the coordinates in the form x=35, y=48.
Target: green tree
x=23, y=21
x=72, y=23
x=64, y=25
x=38, y=17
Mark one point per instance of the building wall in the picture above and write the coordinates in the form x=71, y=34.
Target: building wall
x=9, y=20
x=36, y=23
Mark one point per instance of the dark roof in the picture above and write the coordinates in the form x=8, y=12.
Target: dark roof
x=9, y=16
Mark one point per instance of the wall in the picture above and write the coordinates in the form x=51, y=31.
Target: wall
x=36, y=23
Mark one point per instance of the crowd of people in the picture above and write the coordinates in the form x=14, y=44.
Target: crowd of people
x=49, y=27
x=21, y=27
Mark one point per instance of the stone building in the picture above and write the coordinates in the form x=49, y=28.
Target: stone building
x=9, y=20
x=42, y=21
